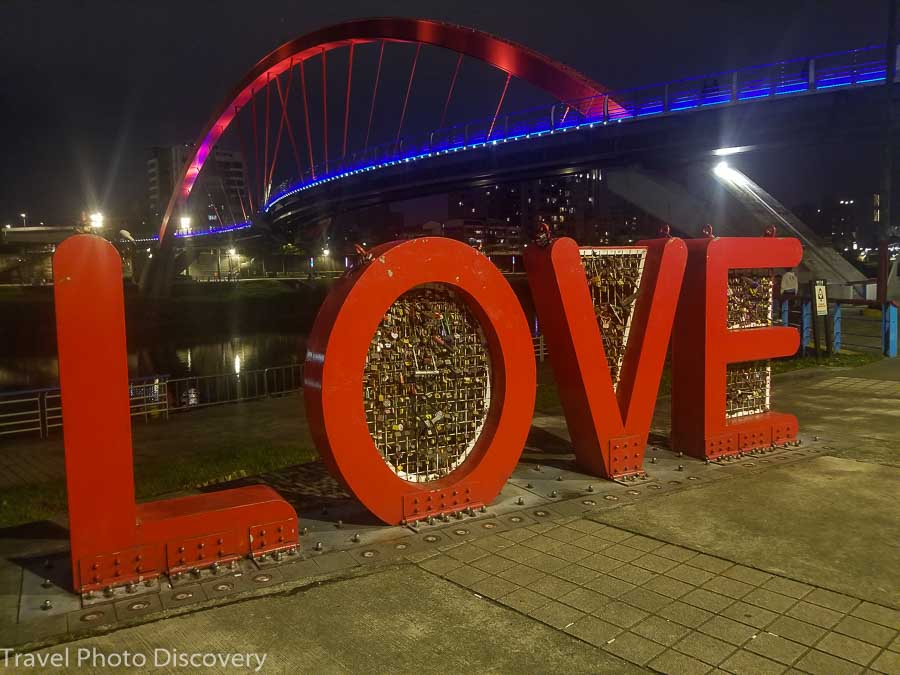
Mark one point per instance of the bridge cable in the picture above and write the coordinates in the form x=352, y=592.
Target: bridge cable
x=283, y=98
x=412, y=74
x=263, y=187
x=243, y=146
x=257, y=178
x=312, y=167
x=227, y=201
x=347, y=100
x=290, y=127
x=499, y=104
x=374, y=94
x=215, y=210
x=450, y=92
x=324, y=111
x=241, y=201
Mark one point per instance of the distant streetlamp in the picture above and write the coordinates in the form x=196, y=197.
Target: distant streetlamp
x=96, y=220
x=23, y=217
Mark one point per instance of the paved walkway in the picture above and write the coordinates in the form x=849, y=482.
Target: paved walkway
x=569, y=595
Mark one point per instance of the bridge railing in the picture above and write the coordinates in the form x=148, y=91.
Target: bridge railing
x=855, y=67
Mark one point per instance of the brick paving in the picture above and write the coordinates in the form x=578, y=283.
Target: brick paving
x=668, y=608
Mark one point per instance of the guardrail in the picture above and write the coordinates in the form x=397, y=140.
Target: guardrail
x=851, y=68
x=847, y=324
x=39, y=411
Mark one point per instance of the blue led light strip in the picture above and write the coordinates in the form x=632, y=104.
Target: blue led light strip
x=622, y=107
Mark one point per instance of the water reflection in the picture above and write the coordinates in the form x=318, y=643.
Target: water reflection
x=176, y=358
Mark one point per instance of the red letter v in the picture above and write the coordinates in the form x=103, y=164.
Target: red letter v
x=608, y=424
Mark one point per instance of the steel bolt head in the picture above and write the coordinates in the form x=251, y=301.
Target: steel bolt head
x=553, y=494
x=653, y=460
x=681, y=467
x=355, y=537
x=46, y=583
x=304, y=531
x=340, y=523
x=559, y=477
x=318, y=545
x=483, y=509
x=590, y=488
x=529, y=485
x=520, y=501
x=46, y=604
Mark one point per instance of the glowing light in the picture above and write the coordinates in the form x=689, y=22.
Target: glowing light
x=232, y=252
x=237, y=364
x=722, y=169
x=185, y=223
x=96, y=220
x=326, y=252
x=724, y=152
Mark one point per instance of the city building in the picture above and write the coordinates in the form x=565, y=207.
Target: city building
x=219, y=197
x=850, y=221
x=579, y=206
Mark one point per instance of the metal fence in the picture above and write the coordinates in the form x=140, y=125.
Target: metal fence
x=855, y=325
x=39, y=411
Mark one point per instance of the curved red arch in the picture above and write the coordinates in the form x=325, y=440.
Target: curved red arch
x=559, y=80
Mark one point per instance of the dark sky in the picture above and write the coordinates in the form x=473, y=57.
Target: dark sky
x=88, y=85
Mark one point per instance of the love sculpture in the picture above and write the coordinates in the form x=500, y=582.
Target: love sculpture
x=419, y=385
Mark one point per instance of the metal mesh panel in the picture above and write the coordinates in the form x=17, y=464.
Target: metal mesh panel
x=614, y=277
x=427, y=383
x=748, y=385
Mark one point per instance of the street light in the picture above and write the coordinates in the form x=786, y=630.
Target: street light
x=326, y=252
x=23, y=217
x=96, y=220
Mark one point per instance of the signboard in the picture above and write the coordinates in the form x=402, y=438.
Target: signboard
x=820, y=298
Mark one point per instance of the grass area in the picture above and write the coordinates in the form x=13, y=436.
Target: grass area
x=178, y=473
x=218, y=452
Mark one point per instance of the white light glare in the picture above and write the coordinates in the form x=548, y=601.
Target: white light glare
x=724, y=152
x=722, y=169
x=96, y=219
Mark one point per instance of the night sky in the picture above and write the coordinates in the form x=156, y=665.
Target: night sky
x=88, y=86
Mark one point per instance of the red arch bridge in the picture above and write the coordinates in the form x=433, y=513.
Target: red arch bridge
x=379, y=110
